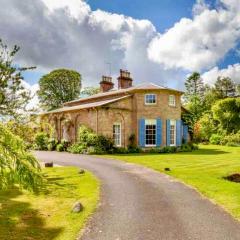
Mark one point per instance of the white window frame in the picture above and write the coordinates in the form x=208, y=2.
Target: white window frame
x=151, y=122
x=120, y=134
x=173, y=123
x=172, y=100
x=150, y=94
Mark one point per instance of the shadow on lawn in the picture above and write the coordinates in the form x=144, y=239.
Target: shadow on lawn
x=19, y=221
x=195, y=152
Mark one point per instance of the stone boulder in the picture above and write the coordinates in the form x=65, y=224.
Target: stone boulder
x=77, y=207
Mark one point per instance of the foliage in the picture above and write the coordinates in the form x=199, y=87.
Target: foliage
x=225, y=87
x=193, y=97
x=60, y=147
x=207, y=126
x=89, y=91
x=13, y=95
x=41, y=141
x=52, y=144
x=87, y=138
x=215, y=139
x=25, y=130
x=231, y=139
x=226, y=113
x=211, y=109
x=76, y=148
x=17, y=165
x=58, y=87
x=194, y=87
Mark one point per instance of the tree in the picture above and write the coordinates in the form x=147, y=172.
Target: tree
x=58, y=87
x=194, y=96
x=194, y=87
x=238, y=90
x=13, y=96
x=225, y=87
x=207, y=126
x=211, y=96
x=226, y=112
x=89, y=91
x=16, y=164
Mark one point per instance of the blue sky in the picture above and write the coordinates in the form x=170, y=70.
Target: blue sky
x=163, y=14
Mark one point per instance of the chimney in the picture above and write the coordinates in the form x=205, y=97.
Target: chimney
x=124, y=80
x=106, y=84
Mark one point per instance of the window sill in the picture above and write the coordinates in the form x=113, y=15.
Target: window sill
x=150, y=145
x=150, y=104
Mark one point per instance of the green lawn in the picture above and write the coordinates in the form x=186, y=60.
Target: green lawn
x=203, y=169
x=48, y=216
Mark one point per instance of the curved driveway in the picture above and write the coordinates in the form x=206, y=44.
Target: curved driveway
x=140, y=204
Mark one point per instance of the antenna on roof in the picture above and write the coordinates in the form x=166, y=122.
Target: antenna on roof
x=110, y=68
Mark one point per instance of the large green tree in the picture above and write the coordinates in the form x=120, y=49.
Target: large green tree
x=193, y=97
x=225, y=87
x=194, y=87
x=58, y=87
x=89, y=91
x=13, y=96
x=226, y=112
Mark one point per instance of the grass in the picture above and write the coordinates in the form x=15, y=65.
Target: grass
x=203, y=169
x=48, y=215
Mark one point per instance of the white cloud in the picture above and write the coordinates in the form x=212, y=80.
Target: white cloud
x=55, y=34
x=33, y=91
x=77, y=9
x=232, y=71
x=198, y=43
x=199, y=7
x=67, y=33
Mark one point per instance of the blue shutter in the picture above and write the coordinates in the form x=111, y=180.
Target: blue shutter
x=179, y=132
x=168, y=132
x=159, y=132
x=141, y=132
x=185, y=133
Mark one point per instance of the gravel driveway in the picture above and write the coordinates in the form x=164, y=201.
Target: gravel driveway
x=140, y=204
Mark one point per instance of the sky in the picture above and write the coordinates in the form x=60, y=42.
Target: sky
x=157, y=41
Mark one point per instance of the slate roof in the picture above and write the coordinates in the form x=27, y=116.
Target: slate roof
x=87, y=105
x=144, y=86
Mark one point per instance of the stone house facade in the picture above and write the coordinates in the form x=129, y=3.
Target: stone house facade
x=151, y=112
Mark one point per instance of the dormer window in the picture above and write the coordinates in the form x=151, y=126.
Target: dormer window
x=150, y=99
x=172, y=100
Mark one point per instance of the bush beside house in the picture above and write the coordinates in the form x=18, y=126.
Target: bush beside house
x=89, y=142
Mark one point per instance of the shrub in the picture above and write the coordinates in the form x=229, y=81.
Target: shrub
x=95, y=150
x=52, y=143
x=76, y=148
x=120, y=150
x=87, y=138
x=134, y=149
x=65, y=144
x=60, y=147
x=186, y=148
x=41, y=141
x=231, y=139
x=84, y=136
x=105, y=143
x=215, y=139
